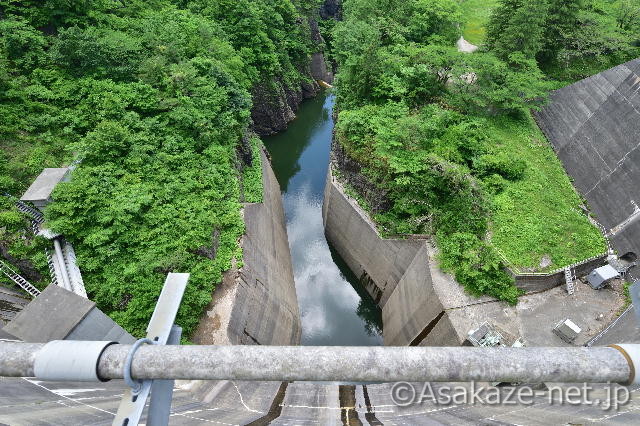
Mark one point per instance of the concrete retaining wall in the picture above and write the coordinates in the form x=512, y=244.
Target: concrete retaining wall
x=414, y=307
x=533, y=283
x=395, y=272
x=379, y=263
x=257, y=304
x=420, y=304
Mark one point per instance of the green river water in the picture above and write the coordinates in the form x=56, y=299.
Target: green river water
x=335, y=308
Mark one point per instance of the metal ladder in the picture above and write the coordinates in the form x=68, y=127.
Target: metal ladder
x=19, y=280
x=52, y=268
x=37, y=218
x=568, y=277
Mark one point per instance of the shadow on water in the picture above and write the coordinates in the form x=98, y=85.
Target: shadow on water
x=334, y=308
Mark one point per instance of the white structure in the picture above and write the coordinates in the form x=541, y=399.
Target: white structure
x=63, y=266
x=602, y=276
x=39, y=193
x=567, y=330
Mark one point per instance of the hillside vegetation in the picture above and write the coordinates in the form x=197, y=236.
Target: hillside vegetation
x=151, y=99
x=447, y=138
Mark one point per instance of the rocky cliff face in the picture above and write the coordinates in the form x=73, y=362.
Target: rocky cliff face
x=331, y=9
x=275, y=104
x=350, y=172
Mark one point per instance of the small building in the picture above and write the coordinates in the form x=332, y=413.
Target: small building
x=567, y=330
x=39, y=193
x=602, y=276
x=490, y=335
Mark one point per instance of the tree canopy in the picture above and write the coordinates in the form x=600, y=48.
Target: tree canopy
x=150, y=100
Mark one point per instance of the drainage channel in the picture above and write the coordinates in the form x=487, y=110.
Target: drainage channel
x=335, y=308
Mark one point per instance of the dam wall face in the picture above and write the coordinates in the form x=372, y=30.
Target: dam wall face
x=378, y=263
x=257, y=303
x=593, y=126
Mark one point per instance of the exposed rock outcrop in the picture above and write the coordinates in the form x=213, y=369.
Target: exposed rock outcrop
x=331, y=9
x=351, y=173
x=275, y=105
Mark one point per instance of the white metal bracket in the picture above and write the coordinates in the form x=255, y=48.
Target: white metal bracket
x=158, y=331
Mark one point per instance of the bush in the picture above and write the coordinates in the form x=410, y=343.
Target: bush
x=500, y=164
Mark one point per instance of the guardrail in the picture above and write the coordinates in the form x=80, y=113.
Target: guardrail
x=330, y=363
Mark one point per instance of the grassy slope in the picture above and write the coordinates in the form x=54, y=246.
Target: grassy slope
x=540, y=214
x=476, y=14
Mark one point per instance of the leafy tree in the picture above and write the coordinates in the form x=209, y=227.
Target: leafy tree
x=155, y=102
x=486, y=84
x=628, y=14
x=523, y=32
x=596, y=44
x=560, y=27
x=97, y=52
x=434, y=18
x=500, y=20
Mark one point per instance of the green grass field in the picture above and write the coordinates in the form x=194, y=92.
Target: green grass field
x=540, y=214
x=475, y=15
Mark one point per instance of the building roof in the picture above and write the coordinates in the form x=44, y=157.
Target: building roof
x=43, y=186
x=606, y=272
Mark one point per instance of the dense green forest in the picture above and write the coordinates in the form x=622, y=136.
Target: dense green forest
x=151, y=100
x=447, y=137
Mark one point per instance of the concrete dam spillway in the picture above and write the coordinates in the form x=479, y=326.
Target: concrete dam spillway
x=334, y=308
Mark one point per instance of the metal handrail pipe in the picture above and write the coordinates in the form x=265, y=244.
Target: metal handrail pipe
x=345, y=364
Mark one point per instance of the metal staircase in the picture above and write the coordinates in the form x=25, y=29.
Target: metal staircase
x=36, y=215
x=18, y=279
x=568, y=277
x=37, y=219
x=52, y=267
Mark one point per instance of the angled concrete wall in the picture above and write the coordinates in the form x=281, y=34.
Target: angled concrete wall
x=58, y=314
x=594, y=127
x=257, y=304
x=396, y=273
x=379, y=263
x=413, y=306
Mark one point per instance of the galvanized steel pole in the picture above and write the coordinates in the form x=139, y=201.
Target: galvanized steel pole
x=353, y=364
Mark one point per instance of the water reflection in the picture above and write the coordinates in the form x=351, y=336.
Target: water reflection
x=335, y=310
